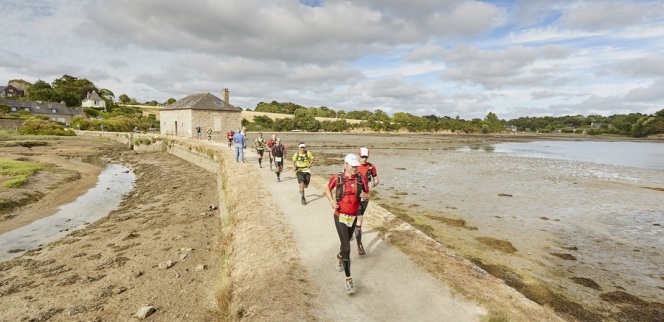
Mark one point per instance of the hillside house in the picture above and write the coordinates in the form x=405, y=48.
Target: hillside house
x=94, y=100
x=54, y=111
x=11, y=91
x=200, y=109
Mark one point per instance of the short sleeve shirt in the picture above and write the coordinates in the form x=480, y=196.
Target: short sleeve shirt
x=349, y=203
x=366, y=172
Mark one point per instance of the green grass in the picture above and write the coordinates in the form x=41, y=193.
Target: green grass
x=17, y=171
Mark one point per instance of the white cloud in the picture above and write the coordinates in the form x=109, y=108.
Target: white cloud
x=610, y=14
x=441, y=57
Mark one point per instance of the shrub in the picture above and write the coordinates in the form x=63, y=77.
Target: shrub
x=38, y=126
x=143, y=140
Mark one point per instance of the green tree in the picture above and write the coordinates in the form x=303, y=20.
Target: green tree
x=263, y=122
x=124, y=99
x=306, y=120
x=283, y=125
x=170, y=101
x=5, y=109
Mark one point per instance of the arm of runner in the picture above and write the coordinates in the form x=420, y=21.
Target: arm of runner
x=328, y=192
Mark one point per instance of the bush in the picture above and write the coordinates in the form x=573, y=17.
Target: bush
x=38, y=126
x=143, y=141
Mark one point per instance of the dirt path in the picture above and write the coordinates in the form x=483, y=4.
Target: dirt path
x=389, y=286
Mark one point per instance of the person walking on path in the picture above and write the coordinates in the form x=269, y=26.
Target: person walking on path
x=240, y=143
x=302, y=162
x=278, y=150
x=370, y=174
x=259, y=145
x=270, y=143
x=198, y=132
x=229, y=136
x=350, y=189
x=209, y=133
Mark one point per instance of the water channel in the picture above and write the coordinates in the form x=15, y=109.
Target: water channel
x=114, y=182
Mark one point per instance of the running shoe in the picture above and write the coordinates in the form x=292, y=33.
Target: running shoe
x=339, y=265
x=304, y=201
x=350, y=287
x=278, y=179
x=360, y=249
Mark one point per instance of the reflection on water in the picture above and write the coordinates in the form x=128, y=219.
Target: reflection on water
x=113, y=183
x=646, y=155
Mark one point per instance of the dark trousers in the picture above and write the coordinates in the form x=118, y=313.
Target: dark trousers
x=345, y=233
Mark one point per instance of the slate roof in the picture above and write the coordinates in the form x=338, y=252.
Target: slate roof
x=93, y=97
x=202, y=101
x=39, y=107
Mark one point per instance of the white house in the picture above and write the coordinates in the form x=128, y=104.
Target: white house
x=93, y=100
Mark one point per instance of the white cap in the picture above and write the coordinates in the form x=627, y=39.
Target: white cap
x=364, y=152
x=352, y=160
x=302, y=145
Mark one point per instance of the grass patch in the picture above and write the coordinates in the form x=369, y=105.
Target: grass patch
x=17, y=172
x=501, y=245
x=143, y=141
x=448, y=221
x=25, y=144
x=540, y=293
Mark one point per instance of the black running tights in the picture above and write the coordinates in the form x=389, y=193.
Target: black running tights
x=345, y=233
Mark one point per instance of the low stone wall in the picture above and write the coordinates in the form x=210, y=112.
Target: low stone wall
x=10, y=124
x=192, y=155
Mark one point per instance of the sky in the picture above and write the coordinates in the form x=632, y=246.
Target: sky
x=423, y=57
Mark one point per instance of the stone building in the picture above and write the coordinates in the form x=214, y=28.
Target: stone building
x=200, y=109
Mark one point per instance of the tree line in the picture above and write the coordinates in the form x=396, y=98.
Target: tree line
x=72, y=90
x=633, y=124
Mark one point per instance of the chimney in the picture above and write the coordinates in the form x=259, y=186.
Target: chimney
x=224, y=95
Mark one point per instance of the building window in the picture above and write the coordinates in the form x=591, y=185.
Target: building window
x=54, y=111
x=27, y=109
x=14, y=108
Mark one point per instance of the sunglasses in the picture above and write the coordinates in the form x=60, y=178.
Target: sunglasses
x=364, y=157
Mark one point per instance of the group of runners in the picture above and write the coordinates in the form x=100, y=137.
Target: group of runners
x=347, y=191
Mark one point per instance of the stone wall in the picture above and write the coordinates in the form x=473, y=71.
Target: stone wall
x=10, y=124
x=220, y=122
x=192, y=155
x=168, y=120
x=188, y=120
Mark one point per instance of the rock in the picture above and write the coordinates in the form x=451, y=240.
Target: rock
x=145, y=311
x=200, y=267
x=183, y=256
x=166, y=265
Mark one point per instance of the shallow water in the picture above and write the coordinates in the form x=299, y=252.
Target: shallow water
x=113, y=183
x=588, y=195
x=644, y=155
